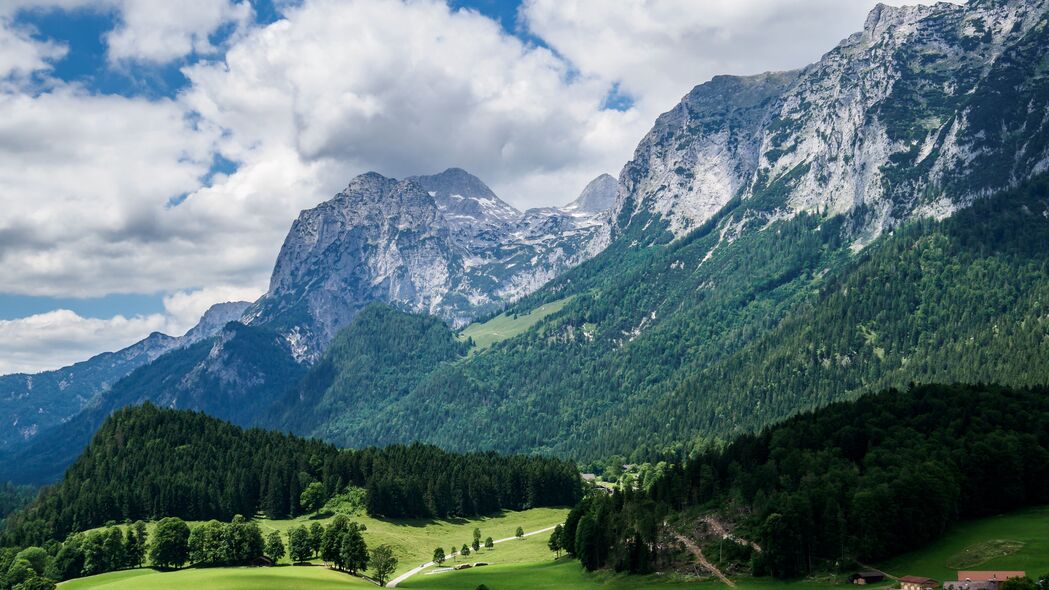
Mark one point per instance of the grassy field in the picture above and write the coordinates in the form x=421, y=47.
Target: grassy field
x=413, y=541
x=1019, y=540
x=233, y=578
x=1015, y=541
x=506, y=326
x=549, y=575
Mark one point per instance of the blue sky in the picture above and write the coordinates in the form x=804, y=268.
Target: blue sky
x=155, y=153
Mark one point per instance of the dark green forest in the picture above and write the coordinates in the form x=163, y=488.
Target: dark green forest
x=146, y=462
x=860, y=480
x=376, y=360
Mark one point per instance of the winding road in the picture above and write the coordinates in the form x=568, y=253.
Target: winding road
x=393, y=583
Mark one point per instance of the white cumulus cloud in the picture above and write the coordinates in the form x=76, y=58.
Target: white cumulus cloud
x=61, y=337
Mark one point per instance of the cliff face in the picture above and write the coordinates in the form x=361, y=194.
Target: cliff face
x=925, y=109
x=445, y=245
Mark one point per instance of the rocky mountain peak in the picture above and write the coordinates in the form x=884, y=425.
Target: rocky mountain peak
x=471, y=208
x=215, y=318
x=914, y=116
x=598, y=196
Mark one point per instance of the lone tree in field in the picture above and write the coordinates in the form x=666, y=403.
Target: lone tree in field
x=312, y=498
x=465, y=551
x=274, y=547
x=477, y=539
x=556, y=542
x=300, y=546
x=489, y=543
x=383, y=563
x=439, y=556
x=170, y=543
x=520, y=533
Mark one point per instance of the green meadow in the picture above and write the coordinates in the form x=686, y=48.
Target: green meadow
x=505, y=326
x=1019, y=540
x=229, y=578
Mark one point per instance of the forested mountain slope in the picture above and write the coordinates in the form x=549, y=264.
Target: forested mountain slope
x=862, y=480
x=236, y=374
x=147, y=462
x=31, y=404
x=379, y=358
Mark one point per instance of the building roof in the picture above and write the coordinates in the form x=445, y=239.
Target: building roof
x=918, y=580
x=987, y=576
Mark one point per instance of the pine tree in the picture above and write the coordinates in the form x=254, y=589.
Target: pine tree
x=555, y=542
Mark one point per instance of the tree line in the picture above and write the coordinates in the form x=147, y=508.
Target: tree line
x=175, y=544
x=149, y=463
x=854, y=481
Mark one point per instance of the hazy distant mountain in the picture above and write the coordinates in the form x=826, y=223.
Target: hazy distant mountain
x=31, y=403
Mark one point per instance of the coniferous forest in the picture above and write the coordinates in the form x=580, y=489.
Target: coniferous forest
x=861, y=480
x=146, y=462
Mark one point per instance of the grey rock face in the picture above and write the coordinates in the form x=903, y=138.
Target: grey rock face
x=33, y=403
x=597, y=197
x=925, y=109
x=443, y=244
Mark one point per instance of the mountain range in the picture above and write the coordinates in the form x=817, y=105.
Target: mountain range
x=776, y=243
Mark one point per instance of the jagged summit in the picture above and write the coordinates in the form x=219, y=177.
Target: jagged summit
x=472, y=210
x=443, y=244
x=598, y=196
x=912, y=117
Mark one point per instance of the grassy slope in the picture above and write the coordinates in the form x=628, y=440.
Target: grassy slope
x=551, y=575
x=237, y=578
x=506, y=326
x=526, y=564
x=1031, y=527
x=413, y=541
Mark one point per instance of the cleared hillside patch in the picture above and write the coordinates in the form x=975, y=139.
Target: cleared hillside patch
x=505, y=326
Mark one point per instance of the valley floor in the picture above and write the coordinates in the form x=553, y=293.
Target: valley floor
x=1019, y=540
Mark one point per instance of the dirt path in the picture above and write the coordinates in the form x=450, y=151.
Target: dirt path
x=393, y=583
x=703, y=561
x=719, y=528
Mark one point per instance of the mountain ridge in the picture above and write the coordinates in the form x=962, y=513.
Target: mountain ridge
x=68, y=390
x=443, y=244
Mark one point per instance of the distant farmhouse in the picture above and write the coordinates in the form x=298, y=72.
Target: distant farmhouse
x=918, y=583
x=981, y=580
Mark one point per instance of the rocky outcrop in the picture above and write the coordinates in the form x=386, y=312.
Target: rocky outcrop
x=444, y=245
x=925, y=109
